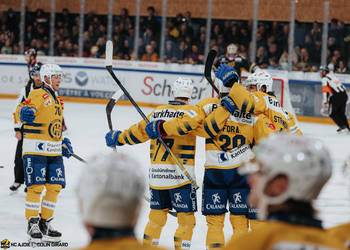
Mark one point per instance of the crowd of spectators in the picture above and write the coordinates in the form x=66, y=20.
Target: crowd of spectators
x=184, y=38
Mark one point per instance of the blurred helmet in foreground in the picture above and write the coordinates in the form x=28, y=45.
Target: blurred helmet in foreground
x=182, y=87
x=110, y=191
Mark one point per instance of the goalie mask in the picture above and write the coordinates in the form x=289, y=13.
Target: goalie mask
x=49, y=70
x=306, y=163
x=182, y=88
x=231, y=50
x=110, y=191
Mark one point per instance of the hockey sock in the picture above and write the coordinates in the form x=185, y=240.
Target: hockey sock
x=156, y=222
x=183, y=234
x=239, y=224
x=49, y=201
x=215, y=234
x=33, y=201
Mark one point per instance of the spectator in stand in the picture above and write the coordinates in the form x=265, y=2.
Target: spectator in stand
x=170, y=52
x=150, y=55
x=193, y=57
x=273, y=64
x=261, y=57
x=304, y=60
x=7, y=48
x=316, y=33
x=147, y=36
x=341, y=67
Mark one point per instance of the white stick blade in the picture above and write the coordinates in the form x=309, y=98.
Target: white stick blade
x=109, y=53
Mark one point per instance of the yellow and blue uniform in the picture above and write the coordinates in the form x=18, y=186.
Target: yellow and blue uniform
x=261, y=103
x=169, y=188
x=287, y=234
x=42, y=151
x=228, y=139
x=341, y=232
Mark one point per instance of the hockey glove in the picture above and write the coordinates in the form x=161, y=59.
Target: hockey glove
x=112, y=138
x=227, y=75
x=66, y=148
x=229, y=104
x=27, y=114
x=155, y=129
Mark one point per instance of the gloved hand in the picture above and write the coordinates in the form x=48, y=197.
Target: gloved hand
x=229, y=104
x=155, y=129
x=66, y=146
x=227, y=75
x=112, y=138
x=27, y=114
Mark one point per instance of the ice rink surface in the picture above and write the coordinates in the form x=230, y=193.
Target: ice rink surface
x=87, y=126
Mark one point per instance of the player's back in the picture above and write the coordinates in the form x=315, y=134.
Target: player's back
x=227, y=144
x=273, y=110
x=284, y=236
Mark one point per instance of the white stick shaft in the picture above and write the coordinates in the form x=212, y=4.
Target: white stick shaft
x=117, y=94
x=109, y=53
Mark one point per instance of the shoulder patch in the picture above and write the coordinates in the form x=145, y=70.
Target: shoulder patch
x=27, y=101
x=45, y=96
x=271, y=126
x=192, y=113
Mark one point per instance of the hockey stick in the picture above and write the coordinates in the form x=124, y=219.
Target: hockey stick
x=74, y=155
x=208, y=67
x=109, y=53
x=110, y=106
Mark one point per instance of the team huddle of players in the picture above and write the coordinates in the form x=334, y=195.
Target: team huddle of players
x=291, y=168
x=258, y=168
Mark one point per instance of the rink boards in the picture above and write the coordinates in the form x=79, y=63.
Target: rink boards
x=87, y=80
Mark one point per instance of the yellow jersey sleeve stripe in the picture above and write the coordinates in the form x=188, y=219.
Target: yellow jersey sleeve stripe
x=206, y=128
x=133, y=138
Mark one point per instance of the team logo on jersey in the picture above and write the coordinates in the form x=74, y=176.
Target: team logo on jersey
x=216, y=198
x=178, y=197
x=81, y=78
x=55, y=129
x=45, y=95
x=237, y=197
x=40, y=146
x=47, y=102
x=271, y=126
x=59, y=172
x=222, y=157
x=43, y=172
x=27, y=101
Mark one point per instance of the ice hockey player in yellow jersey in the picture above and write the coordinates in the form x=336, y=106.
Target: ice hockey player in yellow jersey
x=261, y=99
x=228, y=140
x=169, y=188
x=286, y=176
x=110, y=191
x=41, y=114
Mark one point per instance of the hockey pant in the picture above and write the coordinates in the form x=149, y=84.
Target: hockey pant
x=157, y=220
x=337, y=109
x=18, y=170
x=48, y=204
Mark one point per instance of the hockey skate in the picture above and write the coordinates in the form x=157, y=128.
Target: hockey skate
x=33, y=230
x=15, y=186
x=344, y=130
x=49, y=234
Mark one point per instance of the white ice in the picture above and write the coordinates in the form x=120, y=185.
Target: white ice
x=87, y=125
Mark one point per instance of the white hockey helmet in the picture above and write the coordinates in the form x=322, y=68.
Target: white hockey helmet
x=219, y=84
x=110, y=190
x=306, y=162
x=260, y=78
x=49, y=70
x=182, y=87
